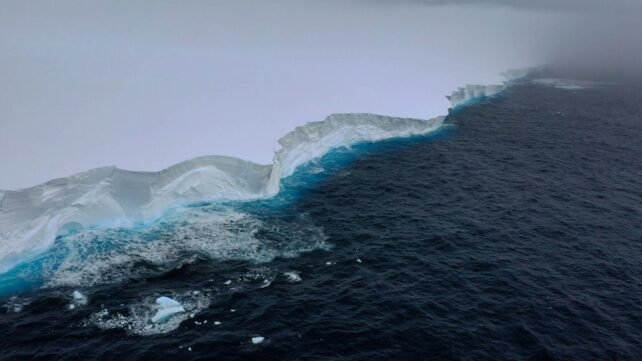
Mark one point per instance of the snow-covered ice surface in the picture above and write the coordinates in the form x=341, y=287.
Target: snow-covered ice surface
x=570, y=84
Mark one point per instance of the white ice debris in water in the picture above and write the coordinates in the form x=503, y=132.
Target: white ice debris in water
x=167, y=308
x=228, y=282
x=293, y=276
x=135, y=319
x=358, y=260
x=257, y=339
x=265, y=283
x=217, y=323
x=328, y=263
x=79, y=298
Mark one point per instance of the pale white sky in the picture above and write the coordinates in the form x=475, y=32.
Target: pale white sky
x=143, y=86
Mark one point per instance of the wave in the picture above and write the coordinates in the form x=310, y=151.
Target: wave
x=32, y=218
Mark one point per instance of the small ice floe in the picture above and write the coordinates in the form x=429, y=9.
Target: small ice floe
x=78, y=300
x=258, y=339
x=358, y=260
x=227, y=282
x=265, y=284
x=293, y=276
x=189, y=349
x=232, y=310
x=196, y=293
x=79, y=297
x=167, y=308
x=329, y=263
x=217, y=323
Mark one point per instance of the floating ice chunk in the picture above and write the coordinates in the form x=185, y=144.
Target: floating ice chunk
x=257, y=339
x=228, y=282
x=329, y=263
x=167, y=308
x=232, y=310
x=217, y=323
x=358, y=260
x=79, y=298
x=166, y=313
x=293, y=276
x=164, y=302
x=265, y=283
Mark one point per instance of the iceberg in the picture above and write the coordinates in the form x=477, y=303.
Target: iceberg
x=473, y=92
x=469, y=93
x=32, y=218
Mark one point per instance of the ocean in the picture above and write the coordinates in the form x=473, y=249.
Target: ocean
x=513, y=232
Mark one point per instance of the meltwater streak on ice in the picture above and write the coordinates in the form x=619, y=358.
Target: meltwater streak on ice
x=32, y=218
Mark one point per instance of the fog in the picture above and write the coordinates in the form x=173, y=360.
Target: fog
x=144, y=86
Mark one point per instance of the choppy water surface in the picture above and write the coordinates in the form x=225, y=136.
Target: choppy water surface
x=513, y=233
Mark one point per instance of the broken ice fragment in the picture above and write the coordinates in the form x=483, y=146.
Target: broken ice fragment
x=79, y=297
x=167, y=308
x=293, y=276
x=164, y=302
x=257, y=339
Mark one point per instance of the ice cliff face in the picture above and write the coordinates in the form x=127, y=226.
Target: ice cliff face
x=468, y=93
x=471, y=92
x=31, y=218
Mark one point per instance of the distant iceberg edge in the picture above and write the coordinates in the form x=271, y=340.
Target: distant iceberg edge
x=32, y=218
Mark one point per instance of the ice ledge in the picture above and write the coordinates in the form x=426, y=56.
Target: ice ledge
x=31, y=218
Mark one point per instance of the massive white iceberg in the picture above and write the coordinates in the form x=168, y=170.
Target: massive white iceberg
x=471, y=92
x=464, y=95
x=31, y=218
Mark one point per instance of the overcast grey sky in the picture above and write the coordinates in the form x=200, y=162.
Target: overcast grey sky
x=145, y=84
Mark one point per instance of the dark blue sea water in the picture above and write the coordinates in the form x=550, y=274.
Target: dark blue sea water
x=514, y=233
